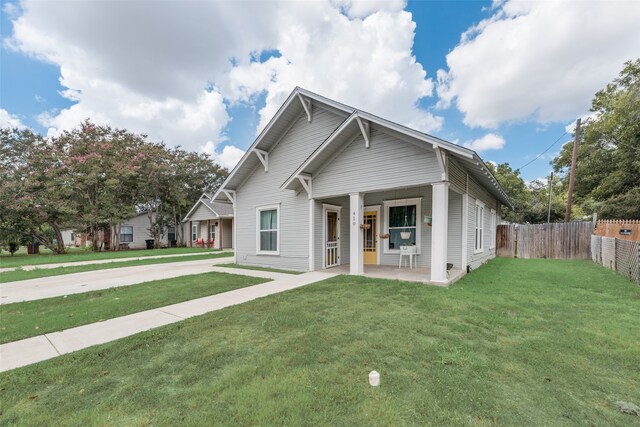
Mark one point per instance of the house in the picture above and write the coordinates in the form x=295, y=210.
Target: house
x=326, y=185
x=209, y=221
x=133, y=234
x=135, y=231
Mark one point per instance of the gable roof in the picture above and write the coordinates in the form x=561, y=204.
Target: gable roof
x=293, y=107
x=217, y=208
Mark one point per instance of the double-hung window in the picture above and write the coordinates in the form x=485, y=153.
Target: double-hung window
x=268, y=230
x=126, y=233
x=194, y=233
x=402, y=218
x=479, y=237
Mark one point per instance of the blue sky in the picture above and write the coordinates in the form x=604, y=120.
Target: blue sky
x=141, y=75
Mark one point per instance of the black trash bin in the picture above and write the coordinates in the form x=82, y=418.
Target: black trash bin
x=174, y=243
x=149, y=243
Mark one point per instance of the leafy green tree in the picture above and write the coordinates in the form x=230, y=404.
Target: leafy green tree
x=516, y=189
x=103, y=167
x=35, y=189
x=607, y=179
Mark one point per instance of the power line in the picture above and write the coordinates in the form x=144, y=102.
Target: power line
x=540, y=155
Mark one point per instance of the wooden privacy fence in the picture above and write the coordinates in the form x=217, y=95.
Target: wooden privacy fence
x=624, y=229
x=570, y=240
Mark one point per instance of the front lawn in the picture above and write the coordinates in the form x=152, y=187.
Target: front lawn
x=517, y=342
x=27, y=319
x=13, y=276
x=76, y=254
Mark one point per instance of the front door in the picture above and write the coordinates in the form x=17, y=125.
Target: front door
x=331, y=239
x=370, y=237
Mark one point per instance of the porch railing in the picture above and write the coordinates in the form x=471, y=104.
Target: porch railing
x=332, y=254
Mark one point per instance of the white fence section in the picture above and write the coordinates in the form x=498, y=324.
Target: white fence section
x=622, y=256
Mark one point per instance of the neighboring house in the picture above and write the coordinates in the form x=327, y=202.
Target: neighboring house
x=208, y=221
x=133, y=234
x=68, y=237
x=321, y=172
x=135, y=231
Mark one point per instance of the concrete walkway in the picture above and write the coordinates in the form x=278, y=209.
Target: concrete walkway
x=106, y=261
x=77, y=283
x=31, y=350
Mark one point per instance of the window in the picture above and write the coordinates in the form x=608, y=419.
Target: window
x=492, y=230
x=171, y=234
x=268, y=226
x=194, y=233
x=212, y=234
x=126, y=233
x=479, y=240
x=395, y=214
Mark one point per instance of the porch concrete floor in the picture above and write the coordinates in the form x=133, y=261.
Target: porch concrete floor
x=422, y=275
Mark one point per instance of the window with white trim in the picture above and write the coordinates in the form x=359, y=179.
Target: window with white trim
x=492, y=230
x=194, y=233
x=479, y=239
x=126, y=233
x=212, y=232
x=402, y=219
x=268, y=230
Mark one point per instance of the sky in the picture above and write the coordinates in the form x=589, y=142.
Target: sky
x=505, y=78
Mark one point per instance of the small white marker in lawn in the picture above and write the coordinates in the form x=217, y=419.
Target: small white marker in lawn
x=374, y=378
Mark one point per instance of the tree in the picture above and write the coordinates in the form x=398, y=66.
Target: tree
x=103, y=167
x=35, y=189
x=607, y=177
x=194, y=174
x=514, y=186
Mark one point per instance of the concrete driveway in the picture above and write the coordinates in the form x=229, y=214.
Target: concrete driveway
x=67, y=284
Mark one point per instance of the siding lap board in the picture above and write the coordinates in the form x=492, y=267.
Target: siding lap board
x=263, y=188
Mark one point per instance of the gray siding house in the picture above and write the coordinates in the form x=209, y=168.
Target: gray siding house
x=326, y=185
x=209, y=221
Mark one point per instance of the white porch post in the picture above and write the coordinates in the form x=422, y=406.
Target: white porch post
x=440, y=225
x=312, y=252
x=356, y=207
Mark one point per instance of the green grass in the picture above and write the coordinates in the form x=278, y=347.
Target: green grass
x=21, y=258
x=13, y=276
x=517, y=342
x=250, y=267
x=27, y=319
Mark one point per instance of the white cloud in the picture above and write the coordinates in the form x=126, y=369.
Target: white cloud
x=540, y=61
x=8, y=120
x=169, y=68
x=490, y=141
x=571, y=127
x=229, y=156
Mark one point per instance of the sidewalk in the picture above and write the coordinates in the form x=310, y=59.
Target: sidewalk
x=32, y=350
x=76, y=283
x=106, y=261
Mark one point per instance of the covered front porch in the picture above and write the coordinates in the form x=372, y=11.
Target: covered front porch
x=390, y=272
x=367, y=233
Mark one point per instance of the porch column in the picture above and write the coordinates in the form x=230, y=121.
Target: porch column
x=440, y=225
x=356, y=208
x=312, y=252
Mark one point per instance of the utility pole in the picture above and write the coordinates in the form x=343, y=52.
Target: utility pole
x=549, y=203
x=574, y=158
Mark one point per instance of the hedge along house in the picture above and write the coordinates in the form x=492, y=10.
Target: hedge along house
x=326, y=185
x=209, y=220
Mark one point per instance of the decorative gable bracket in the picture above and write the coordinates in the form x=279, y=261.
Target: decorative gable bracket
x=306, y=182
x=231, y=195
x=442, y=163
x=306, y=104
x=365, y=128
x=263, y=156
